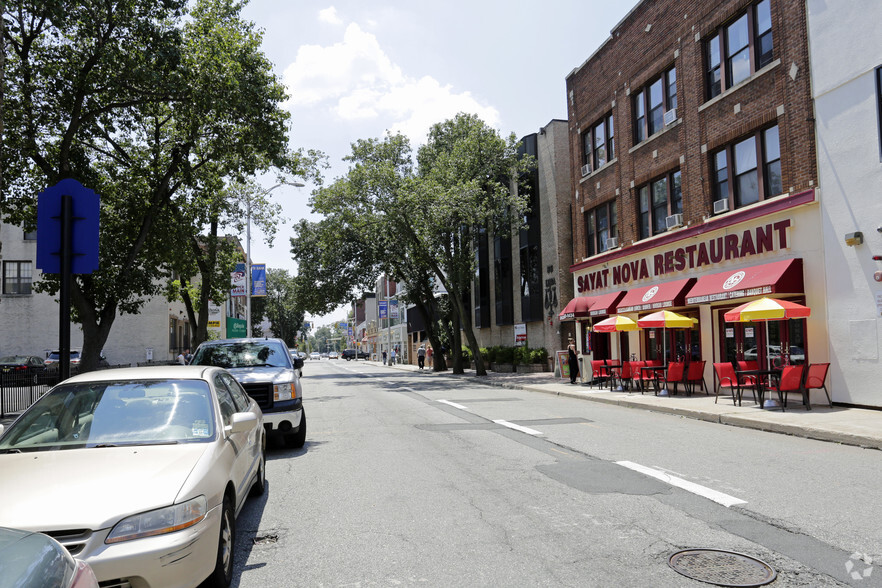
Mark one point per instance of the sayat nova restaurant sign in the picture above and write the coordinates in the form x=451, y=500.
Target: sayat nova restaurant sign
x=770, y=237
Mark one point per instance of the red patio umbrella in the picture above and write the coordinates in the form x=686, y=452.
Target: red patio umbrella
x=615, y=323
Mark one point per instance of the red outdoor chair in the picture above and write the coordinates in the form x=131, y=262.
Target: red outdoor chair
x=790, y=381
x=674, y=375
x=624, y=374
x=748, y=381
x=599, y=372
x=816, y=377
x=726, y=379
x=695, y=377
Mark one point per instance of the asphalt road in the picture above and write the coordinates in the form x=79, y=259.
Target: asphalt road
x=411, y=479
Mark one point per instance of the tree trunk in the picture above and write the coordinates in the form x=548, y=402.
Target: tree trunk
x=95, y=324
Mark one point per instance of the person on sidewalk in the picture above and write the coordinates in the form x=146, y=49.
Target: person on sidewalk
x=429, y=355
x=421, y=356
x=384, y=357
x=392, y=362
x=573, y=361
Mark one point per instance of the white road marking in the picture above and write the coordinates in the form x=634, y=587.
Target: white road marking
x=455, y=405
x=704, y=491
x=526, y=430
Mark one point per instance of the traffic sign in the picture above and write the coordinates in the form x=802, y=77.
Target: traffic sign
x=86, y=207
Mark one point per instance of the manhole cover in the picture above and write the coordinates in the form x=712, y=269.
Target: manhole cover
x=723, y=568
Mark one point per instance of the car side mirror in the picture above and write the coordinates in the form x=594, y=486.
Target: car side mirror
x=298, y=363
x=241, y=422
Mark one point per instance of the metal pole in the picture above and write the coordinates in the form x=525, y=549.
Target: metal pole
x=64, y=314
x=248, y=268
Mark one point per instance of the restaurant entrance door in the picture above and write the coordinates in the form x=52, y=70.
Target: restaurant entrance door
x=771, y=342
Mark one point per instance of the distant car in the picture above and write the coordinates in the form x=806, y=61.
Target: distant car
x=315, y=355
x=20, y=363
x=797, y=354
x=324, y=354
x=333, y=355
x=349, y=354
x=187, y=443
x=34, y=560
x=269, y=375
x=75, y=357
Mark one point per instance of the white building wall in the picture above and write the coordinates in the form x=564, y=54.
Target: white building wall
x=846, y=48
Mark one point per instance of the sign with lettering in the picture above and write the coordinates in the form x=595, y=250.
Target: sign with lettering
x=763, y=239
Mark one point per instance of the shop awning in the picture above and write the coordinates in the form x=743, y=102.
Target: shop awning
x=778, y=277
x=606, y=303
x=576, y=308
x=656, y=296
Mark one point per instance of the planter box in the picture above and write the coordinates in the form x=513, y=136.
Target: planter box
x=502, y=367
x=532, y=368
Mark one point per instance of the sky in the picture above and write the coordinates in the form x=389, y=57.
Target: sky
x=355, y=70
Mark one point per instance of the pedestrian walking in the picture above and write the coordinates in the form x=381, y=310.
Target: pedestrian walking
x=429, y=356
x=393, y=357
x=421, y=356
x=573, y=361
x=384, y=357
x=182, y=357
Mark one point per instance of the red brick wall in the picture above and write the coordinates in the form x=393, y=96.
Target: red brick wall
x=634, y=56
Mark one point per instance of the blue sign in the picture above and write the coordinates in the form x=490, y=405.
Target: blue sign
x=86, y=209
x=384, y=309
x=258, y=279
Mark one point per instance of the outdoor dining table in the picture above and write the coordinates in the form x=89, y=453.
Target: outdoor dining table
x=760, y=383
x=654, y=368
x=612, y=369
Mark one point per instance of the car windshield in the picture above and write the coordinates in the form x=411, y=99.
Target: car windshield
x=108, y=414
x=14, y=359
x=242, y=354
x=57, y=355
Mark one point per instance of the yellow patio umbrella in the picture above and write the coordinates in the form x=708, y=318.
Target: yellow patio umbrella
x=767, y=309
x=665, y=319
x=615, y=323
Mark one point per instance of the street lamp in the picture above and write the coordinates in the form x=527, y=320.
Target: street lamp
x=248, y=252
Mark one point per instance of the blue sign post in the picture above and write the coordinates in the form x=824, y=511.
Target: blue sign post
x=67, y=243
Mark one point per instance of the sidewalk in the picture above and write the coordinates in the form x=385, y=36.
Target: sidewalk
x=851, y=426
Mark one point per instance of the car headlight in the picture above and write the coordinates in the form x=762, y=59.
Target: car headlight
x=286, y=391
x=159, y=522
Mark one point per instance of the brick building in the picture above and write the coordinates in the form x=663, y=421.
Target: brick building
x=694, y=181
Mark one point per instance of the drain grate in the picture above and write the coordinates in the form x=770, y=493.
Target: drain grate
x=723, y=568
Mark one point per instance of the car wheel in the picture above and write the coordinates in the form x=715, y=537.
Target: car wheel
x=298, y=439
x=259, y=486
x=222, y=575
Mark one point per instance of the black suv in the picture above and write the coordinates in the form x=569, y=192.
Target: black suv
x=353, y=354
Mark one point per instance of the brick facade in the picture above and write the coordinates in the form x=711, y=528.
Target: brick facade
x=656, y=35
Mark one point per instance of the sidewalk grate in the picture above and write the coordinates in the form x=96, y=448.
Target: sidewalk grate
x=722, y=568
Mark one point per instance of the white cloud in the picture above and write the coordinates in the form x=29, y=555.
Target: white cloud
x=329, y=15
x=357, y=81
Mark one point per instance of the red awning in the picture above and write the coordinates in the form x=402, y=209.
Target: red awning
x=576, y=308
x=656, y=297
x=605, y=303
x=778, y=277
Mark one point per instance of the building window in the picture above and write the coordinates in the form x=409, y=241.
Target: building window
x=652, y=102
x=739, y=49
x=599, y=144
x=658, y=200
x=30, y=235
x=748, y=171
x=17, y=277
x=482, y=280
x=502, y=269
x=601, y=225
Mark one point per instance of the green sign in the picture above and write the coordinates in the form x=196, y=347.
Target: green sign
x=236, y=328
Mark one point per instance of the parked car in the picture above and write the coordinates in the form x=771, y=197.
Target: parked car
x=21, y=363
x=315, y=355
x=333, y=355
x=75, y=357
x=34, y=560
x=797, y=354
x=268, y=373
x=138, y=471
x=349, y=354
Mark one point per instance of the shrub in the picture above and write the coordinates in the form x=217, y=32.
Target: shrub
x=505, y=355
x=467, y=354
x=539, y=355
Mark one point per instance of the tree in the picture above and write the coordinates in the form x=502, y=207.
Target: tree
x=147, y=105
x=285, y=318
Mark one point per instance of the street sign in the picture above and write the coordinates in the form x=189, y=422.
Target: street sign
x=86, y=208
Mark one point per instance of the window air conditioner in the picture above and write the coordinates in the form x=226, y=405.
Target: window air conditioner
x=612, y=243
x=721, y=206
x=674, y=221
x=670, y=117
x=586, y=169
